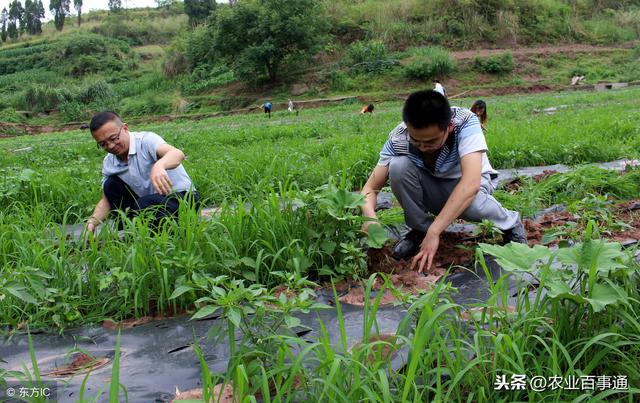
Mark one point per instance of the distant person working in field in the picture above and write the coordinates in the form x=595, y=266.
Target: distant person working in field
x=436, y=163
x=291, y=107
x=140, y=171
x=480, y=109
x=367, y=109
x=438, y=87
x=266, y=107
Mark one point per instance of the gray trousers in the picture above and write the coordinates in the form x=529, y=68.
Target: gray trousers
x=423, y=195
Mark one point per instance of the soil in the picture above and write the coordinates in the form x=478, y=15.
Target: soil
x=385, y=351
x=129, y=323
x=544, y=175
x=632, y=218
x=400, y=274
x=196, y=394
x=81, y=363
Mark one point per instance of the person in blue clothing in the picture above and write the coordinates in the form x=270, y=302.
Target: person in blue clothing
x=266, y=107
x=436, y=163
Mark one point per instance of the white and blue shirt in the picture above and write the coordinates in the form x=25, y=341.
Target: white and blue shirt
x=467, y=137
x=136, y=172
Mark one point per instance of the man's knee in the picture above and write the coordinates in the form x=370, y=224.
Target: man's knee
x=478, y=209
x=113, y=186
x=150, y=201
x=399, y=168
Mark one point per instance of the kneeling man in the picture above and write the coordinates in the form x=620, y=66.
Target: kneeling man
x=140, y=171
x=436, y=163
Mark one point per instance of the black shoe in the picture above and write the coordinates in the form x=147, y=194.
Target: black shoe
x=409, y=245
x=516, y=234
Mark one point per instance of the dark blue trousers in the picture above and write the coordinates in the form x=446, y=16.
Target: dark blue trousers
x=122, y=197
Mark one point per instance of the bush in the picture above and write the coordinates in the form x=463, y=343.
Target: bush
x=496, y=64
x=42, y=97
x=429, y=63
x=606, y=30
x=148, y=104
x=368, y=57
x=73, y=111
x=10, y=115
x=81, y=54
x=204, y=78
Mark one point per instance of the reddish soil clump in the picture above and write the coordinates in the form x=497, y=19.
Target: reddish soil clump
x=544, y=175
x=156, y=314
x=387, y=350
x=81, y=363
x=631, y=218
x=196, y=394
x=400, y=274
x=512, y=185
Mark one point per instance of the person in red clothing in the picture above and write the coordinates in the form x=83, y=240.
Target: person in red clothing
x=367, y=109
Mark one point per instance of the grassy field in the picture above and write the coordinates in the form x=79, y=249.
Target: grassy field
x=313, y=161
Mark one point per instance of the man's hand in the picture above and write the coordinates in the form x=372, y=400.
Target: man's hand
x=160, y=179
x=92, y=224
x=428, y=250
x=91, y=227
x=368, y=222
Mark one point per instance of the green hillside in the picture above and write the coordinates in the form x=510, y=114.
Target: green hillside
x=144, y=62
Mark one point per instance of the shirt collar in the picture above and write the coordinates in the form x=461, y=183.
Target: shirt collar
x=132, y=144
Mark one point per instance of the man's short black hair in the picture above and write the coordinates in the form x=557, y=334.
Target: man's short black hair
x=102, y=118
x=427, y=108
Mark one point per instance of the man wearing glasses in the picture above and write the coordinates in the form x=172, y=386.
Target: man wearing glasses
x=436, y=163
x=140, y=171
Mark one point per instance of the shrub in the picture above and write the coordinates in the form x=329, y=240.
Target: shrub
x=41, y=97
x=496, y=64
x=429, y=63
x=148, y=104
x=10, y=115
x=81, y=54
x=204, y=78
x=369, y=57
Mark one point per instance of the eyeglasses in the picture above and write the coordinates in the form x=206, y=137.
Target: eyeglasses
x=112, y=139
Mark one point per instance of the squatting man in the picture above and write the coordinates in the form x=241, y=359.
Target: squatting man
x=140, y=171
x=436, y=163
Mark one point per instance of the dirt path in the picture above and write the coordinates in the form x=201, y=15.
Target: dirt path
x=573, y=48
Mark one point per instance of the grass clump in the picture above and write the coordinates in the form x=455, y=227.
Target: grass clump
x=430, y=62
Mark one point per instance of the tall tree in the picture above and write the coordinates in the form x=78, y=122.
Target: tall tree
x=4, y=18
x=38, y=16
x=198, y=10
x=77, y=4
x=33, y=15
x=16, y=15
x=28, y=17
x=115, y=5
x=260, y=37
x=60, y=9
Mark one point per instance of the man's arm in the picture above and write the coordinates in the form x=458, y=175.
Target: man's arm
x=461, y=197
x=169, y=157
x=100, y=212
x=374, y=184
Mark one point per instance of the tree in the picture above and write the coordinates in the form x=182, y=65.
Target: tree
x=38, y=16
x=4, y=17
x=260, y=37
x=199, y=10
x=115, y=5
x=60, y=9
x=29, y=17
x=77, y=4
x=16, y=15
